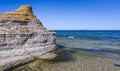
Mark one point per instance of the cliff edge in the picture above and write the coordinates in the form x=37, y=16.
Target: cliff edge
x=23, y=37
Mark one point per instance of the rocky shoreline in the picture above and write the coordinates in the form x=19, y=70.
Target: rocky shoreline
x=71, y=60
x=23, y=37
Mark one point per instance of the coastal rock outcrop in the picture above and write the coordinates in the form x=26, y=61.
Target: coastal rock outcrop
x=23, y=37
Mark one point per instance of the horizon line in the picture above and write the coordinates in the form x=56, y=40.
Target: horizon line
x=86, y=30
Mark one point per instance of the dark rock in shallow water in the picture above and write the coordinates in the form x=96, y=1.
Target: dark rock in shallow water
x=23, y=37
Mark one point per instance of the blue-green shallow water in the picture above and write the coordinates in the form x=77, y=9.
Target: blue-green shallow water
x=104, y=42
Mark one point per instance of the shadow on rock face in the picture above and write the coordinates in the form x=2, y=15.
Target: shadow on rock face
x=63, y=55
x=41, y=64
x=117, y=65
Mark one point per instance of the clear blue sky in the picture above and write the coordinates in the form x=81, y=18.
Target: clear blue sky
x=72, y=14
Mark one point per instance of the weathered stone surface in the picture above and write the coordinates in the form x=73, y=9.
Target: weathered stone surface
x=23, y=37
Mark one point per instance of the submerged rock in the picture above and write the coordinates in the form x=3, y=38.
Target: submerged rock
x=23, y=37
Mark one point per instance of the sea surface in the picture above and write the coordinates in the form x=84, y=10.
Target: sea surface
x=81, y=50
x=103, y=42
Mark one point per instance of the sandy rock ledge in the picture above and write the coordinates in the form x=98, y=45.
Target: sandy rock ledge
x=23, y=37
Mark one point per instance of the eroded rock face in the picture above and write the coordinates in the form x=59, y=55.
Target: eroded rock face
x=23, y=37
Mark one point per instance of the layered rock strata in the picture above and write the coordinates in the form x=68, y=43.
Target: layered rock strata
x=23, y=37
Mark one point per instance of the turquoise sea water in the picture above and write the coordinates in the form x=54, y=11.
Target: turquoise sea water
x=81, y=51
x=103, y=42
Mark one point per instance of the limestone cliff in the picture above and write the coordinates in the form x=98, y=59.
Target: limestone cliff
x=23, y=37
